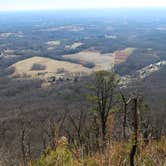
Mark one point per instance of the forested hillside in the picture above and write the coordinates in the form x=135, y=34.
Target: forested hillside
x=90, y=122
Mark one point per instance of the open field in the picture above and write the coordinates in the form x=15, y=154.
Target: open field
x=48, y=67
x=10, y=34
x=122, y=55
x=74, y=45
x=53, y=44
x=101, y=61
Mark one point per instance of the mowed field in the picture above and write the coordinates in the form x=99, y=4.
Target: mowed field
x=48, y=67
x=101, y=61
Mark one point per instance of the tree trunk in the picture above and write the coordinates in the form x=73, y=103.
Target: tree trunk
x=135, y=141
x=124, y=121
x=103, y=125
x=132, y=154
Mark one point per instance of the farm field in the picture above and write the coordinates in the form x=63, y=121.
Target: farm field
x=101, y=61
x=47, y=66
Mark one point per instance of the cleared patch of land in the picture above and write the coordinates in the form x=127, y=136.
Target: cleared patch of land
x=10, y=34
x=50, y=67
x=74, y=45
x=7, y=54
x=100, y=61
x=122, y=55
x=53, y=44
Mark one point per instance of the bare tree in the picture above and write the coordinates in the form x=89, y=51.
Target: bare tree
x=78, y=124
x=125, y=104
x=103, y=97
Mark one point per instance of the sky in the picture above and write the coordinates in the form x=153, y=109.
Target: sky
x=10, y=5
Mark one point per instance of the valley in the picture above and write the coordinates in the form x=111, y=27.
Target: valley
x=81, y=85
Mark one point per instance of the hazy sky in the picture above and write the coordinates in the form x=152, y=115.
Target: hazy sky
x=62, y=4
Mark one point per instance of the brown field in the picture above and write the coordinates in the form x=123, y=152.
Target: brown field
x=24, y=67
x=122, y=55
x=101, y=61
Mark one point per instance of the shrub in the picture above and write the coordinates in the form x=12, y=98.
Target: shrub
x=89, y=65
x=61, y=156
x=37, y=66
